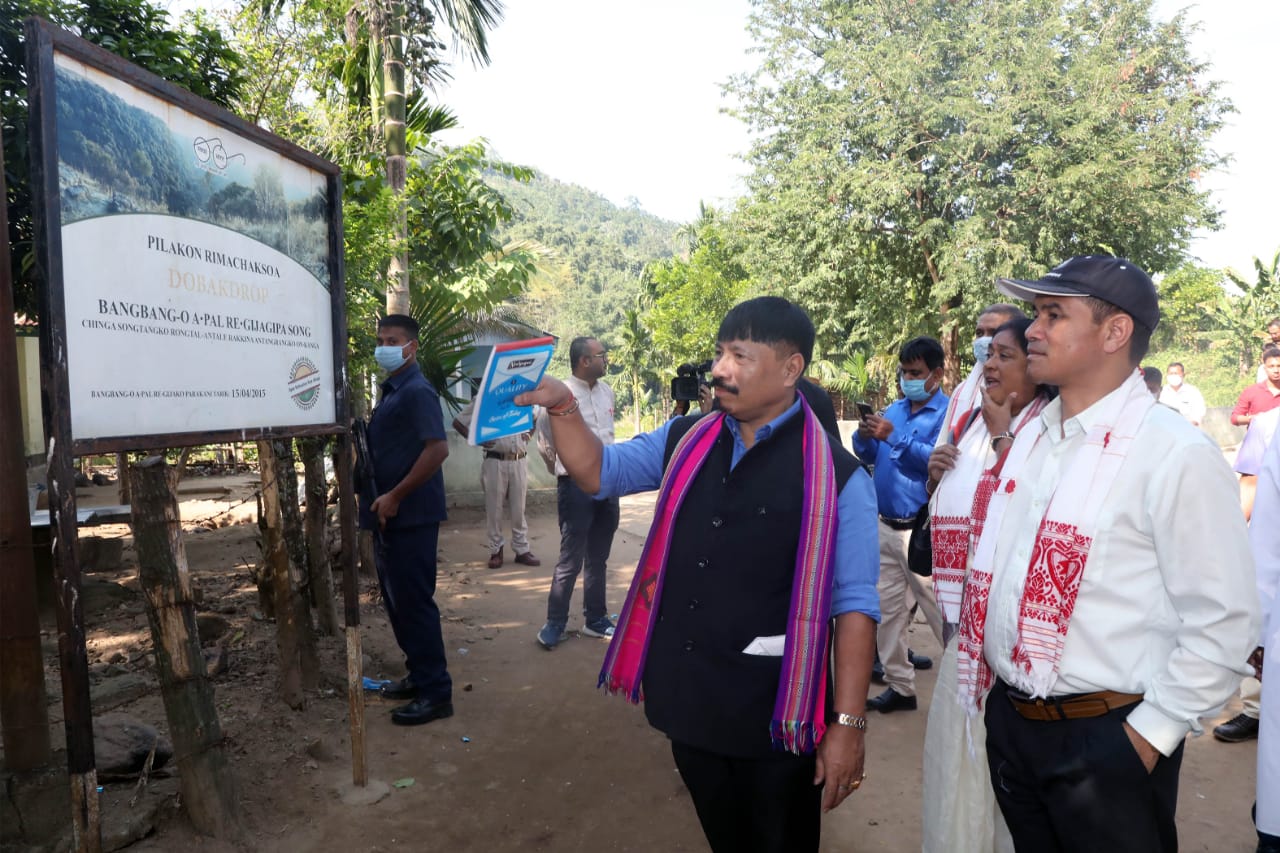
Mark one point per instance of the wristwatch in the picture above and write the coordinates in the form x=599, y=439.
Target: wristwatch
x=996, y=438
x=851, y=721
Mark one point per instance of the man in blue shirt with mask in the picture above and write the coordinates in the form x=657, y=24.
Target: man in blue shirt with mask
x=407, y=444
x=899, y=442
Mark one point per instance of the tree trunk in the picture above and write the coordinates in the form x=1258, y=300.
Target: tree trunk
x=261, y=573
x=208, y=787
x=296, y=544
x=284, y=587
x=393, y=134
x=319, y=570
x=122, y=477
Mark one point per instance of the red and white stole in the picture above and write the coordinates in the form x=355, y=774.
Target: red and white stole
x=966, y=398
x=959, y=507
x=1061, y=549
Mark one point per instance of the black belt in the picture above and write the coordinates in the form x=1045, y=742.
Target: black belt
x=505, y=457
x=899, y=523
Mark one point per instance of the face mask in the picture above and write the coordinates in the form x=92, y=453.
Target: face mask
x=915, y=390
x=982, y=348
x=1175, y=381
x=390, y=359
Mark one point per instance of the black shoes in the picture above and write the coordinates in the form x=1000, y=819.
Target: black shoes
x=891, y=700
x=421, y=711
x=398, y=690
x=916, y=661
x=1239, y=728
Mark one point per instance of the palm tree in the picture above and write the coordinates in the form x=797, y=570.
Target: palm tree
x=634, y=354
x=1240, y=318
x=386, y=21
x=392, y=57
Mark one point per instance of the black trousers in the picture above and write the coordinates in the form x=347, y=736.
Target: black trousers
x=753, y=805
x=586, y=537
x=407, y=575
x=1078, y=785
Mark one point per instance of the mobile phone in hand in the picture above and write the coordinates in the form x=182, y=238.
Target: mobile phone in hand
x=864, y=410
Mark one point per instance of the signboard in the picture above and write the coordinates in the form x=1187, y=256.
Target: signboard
x=194, y=261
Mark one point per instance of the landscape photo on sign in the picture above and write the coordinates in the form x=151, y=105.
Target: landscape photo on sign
x=196, y=267
x=513, y=368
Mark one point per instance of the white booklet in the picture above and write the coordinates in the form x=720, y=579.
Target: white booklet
x=513, y=368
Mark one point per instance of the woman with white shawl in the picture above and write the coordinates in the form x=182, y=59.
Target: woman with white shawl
x=960, y=814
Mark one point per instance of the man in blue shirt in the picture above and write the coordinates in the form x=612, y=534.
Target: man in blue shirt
x=712, y=653
x=899, y=442
x=407, y=444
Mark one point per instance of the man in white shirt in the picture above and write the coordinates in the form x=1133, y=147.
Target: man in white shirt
x=1182, y=395
x=1264, y=536
x=1120, y=607
x=586, y=525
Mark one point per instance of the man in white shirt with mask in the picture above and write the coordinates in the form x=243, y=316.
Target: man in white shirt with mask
x=1110, y=604
x=1182, y=395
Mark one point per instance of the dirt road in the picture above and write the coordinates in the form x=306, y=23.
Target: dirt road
x=535, y=758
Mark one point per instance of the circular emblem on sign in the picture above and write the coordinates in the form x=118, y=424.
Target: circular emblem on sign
x=304, y=383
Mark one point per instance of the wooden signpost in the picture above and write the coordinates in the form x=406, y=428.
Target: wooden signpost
x=199, y=302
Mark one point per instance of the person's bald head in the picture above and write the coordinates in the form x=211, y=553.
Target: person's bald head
x=995, y=316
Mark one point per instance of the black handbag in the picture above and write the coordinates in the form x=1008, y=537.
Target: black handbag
x=920, y=545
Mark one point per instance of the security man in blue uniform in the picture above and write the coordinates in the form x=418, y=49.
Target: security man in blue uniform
x=407, y=444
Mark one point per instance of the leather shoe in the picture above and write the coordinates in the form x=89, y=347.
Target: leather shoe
x=891, y=700
x=398, y=690
x=495, y=559
x=1239, y=728
x=919, y=661
x=421, y=711
x=527, y=559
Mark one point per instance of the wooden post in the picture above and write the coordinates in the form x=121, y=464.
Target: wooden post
x=351, y=610
x=24, y=716
x=55, y=399
x=315, y=523
x=296, y=546
x=276, y=559
x=208, y=787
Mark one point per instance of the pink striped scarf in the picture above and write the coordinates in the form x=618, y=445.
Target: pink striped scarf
x=798, y=715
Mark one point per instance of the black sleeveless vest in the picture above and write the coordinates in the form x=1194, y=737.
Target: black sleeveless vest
x=727, y=582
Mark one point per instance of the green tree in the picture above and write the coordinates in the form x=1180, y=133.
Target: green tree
x=1185, y=319
x=633, y=355
x=909, y=151
x=1242, y=317
x=688, y=298
x=194, y=54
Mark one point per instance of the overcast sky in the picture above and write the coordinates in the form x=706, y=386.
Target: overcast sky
x=625, y=99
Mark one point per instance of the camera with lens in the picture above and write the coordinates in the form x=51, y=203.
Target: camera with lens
x=688, y=376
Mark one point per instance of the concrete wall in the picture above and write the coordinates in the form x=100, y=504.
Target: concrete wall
x=462, y=472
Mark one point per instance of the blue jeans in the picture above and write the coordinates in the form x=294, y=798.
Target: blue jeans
x=586, y=536
x=407, y=575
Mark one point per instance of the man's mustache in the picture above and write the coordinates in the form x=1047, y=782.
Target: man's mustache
x=717, y=382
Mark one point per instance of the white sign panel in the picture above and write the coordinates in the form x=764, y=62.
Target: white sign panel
x=195, y=270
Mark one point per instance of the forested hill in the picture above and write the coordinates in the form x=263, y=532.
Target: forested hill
x=599, y=251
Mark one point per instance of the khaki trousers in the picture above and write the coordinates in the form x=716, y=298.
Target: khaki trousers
x=504, y=484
